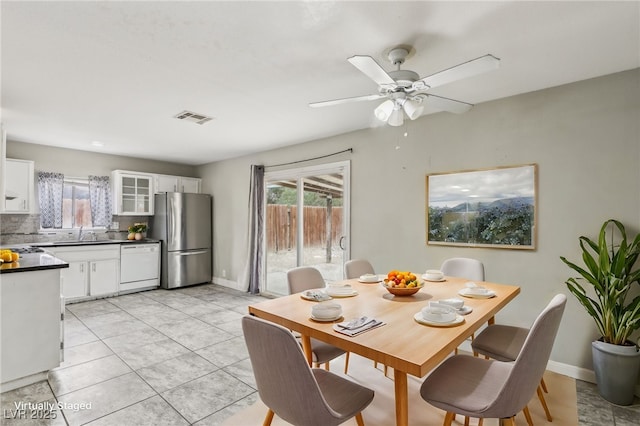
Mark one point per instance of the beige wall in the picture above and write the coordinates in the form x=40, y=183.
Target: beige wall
x=76, y=163
x=584, y=136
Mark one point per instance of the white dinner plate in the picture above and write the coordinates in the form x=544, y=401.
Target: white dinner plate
x=465, y=292
x=325, y=319
x=424, y=277
x=341, y=293
x=419, y=318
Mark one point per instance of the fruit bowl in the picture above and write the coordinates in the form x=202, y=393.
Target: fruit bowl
x=403, y=291
x=401, y=283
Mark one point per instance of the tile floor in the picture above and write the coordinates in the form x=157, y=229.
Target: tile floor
x=175, y=358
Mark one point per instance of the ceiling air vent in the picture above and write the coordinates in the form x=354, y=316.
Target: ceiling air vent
x=193, y=117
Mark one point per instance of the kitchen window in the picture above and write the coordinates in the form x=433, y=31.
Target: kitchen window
x=76, y=208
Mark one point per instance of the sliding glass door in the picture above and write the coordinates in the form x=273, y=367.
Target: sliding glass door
x=306, y=222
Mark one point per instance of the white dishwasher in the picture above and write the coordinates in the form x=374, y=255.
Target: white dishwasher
x=139, y=266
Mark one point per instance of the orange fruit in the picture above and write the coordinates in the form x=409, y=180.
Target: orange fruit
x=6, y=257
x=15, y=257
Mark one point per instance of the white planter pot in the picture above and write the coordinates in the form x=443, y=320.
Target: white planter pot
x=616, y=369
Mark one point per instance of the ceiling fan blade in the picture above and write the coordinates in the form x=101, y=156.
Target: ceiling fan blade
x=346, y=100
x=465, y=70
x=369, y=67
x=446, y=104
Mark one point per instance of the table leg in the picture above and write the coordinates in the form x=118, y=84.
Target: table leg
x=306, y=347
x=402, y=399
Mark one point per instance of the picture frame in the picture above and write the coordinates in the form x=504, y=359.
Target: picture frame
x=494, y=208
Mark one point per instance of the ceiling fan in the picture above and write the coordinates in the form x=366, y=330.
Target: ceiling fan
x=405, y=90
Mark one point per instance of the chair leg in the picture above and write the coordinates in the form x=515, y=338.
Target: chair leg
x=268, y=418
x=448, y=418
x=326, y=365
x=480, y=421
x=544, y=404
x=359, y=420
x=385, y=370
x=466, y=421
x=527, y=415
x=346, y=363
x=544, y=385
x=507, y=422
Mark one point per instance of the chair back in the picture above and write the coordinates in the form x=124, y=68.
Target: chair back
x=304, y=278
x=463, y=267
x=285, y=381
x=532, y=360
x=357, y=267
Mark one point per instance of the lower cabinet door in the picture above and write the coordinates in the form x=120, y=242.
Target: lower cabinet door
x=104, y=277
x=74, y=280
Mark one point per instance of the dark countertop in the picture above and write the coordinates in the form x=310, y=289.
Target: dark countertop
x=33, y=262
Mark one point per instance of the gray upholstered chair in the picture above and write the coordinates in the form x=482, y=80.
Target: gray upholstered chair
x=503, y=343
x=487, y=388
x=307, y=278
x=354, y=268
x=291, y=389
x=463, y=267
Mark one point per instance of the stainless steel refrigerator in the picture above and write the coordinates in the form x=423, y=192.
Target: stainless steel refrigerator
x=183, y=221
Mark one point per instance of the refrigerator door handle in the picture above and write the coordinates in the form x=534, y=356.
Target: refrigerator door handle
x=189, y=253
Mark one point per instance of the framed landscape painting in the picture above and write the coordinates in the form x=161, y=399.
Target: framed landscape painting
x=483, y=208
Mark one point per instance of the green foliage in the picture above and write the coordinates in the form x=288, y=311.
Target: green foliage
x=288, y=196
x=609, y=271
x=504, y=225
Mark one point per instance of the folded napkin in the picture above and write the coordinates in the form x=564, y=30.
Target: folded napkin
x=478, y=291
x=357, y=325
x=339, y=290
x=317, y=295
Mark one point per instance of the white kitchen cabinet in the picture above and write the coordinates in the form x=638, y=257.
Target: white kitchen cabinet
x=189, y=184
x=104, y=277
x=169, y=183
x=29, y=327
x=94, y=271
x=132, y=193
x=75, y=280
x=18, y=186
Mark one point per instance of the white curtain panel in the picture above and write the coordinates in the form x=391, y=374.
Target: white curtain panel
x=100, y=200
x=50, y=186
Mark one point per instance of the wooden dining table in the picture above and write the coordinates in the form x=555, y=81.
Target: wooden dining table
x=402, y=343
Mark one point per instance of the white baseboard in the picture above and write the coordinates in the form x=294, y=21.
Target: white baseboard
x=226, y=283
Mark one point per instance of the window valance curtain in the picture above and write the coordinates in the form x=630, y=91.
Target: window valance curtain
x=100, y=200
x=50, y=186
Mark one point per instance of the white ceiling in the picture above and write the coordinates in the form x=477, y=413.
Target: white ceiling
x=117, y=72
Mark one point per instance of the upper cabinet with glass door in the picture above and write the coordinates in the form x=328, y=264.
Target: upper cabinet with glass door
x=132, y=193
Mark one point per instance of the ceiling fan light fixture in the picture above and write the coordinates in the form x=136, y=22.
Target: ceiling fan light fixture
x=384, y=110
x=396, y=118
x=413, y=108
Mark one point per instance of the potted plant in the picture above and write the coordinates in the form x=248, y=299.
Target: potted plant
x=136, y=231
x=609, y=273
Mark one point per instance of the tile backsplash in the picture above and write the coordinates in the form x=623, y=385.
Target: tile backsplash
x=25, y=229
